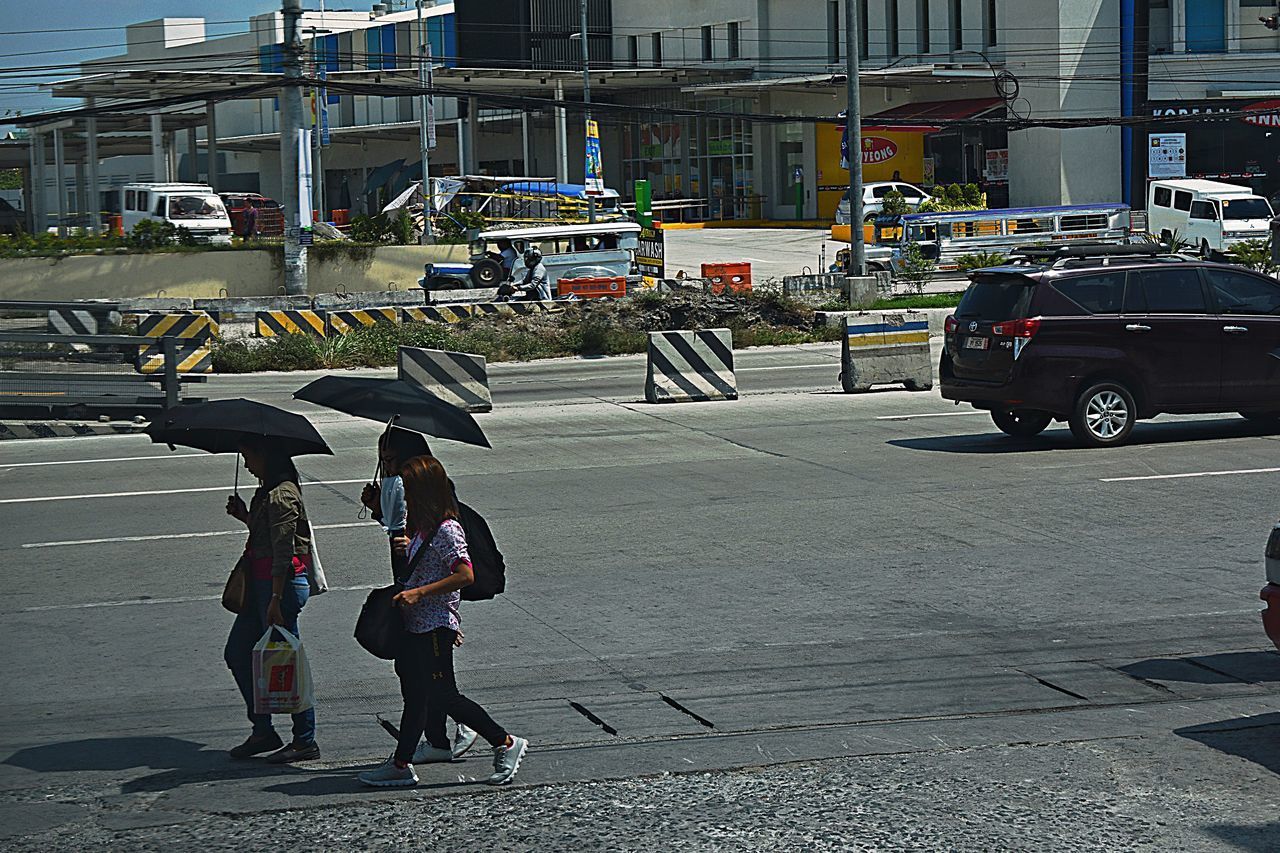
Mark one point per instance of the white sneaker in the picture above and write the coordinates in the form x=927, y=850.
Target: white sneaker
x=462, y=740
x=387, y=775
x=506, y=761
x=428, y=754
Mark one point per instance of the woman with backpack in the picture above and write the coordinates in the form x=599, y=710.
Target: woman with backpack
x=439, y=566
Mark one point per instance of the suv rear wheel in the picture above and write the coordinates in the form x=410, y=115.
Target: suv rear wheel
x=1021, y=423
x=1104, y=415
x=1262, y=417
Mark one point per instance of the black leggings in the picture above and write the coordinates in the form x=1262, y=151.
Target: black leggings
x=425, y=668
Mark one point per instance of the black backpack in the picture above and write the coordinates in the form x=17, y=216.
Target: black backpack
x=486, y=559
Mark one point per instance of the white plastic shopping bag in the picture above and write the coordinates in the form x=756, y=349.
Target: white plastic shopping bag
x=315, y=578
x=281, y=674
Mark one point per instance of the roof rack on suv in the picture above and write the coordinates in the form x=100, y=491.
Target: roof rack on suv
x=1075, y=254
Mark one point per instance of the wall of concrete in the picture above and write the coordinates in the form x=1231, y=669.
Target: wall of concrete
x=210, y=274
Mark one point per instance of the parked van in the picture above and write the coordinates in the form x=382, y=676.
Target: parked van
x=195, y=207
x=1210, y=216
x=606, y=249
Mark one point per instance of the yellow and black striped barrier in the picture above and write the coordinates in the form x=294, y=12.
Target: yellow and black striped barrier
x=276, y=324
x=437, y=314
x=194, y=331
x=342, y=322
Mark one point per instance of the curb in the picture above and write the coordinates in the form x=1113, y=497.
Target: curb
x=14, y=430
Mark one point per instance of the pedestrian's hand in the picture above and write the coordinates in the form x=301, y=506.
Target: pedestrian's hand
x=406, y=598
x=458, y=638
x=371, y=496
x=274, y=616
x=400, y=544
x=236, y=508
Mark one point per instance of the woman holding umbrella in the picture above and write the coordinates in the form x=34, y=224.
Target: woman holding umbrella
x=279, y=555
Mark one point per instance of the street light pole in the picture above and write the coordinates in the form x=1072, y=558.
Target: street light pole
x=424, y=142
x=853, y=124
x=586, y=99
x=291, y=136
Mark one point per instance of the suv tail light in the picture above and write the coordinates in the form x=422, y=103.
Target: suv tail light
x=951, y=324
x=1017, y=328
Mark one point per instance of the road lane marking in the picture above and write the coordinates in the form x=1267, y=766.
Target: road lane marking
x=159, y=536
x=114, y=459
x=928, y=415
x=49, y=498
x=182, y=600
x=1190, y=476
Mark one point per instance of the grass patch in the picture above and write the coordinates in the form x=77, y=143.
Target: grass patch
x=924, y=300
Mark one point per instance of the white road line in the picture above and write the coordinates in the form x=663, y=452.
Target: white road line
x=49, y=498
x=832, y=363
x=183, y=600
x=1189, y=476
x=159, y=536
x=927, y=415
x=115, y=459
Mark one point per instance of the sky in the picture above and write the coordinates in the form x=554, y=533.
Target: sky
x=69, y=31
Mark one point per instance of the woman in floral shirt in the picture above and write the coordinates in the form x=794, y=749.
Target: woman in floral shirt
x=439, y=567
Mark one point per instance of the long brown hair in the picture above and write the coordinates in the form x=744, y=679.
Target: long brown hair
x=428, y=494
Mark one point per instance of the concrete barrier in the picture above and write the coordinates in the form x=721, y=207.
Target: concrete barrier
x=880, y=349
x=455, y=377
x=686, y=367
x=341, y=322
x=275, y=324
x=194, y=330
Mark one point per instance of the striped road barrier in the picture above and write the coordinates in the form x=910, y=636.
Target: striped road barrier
x=10, y=430
x=688, y=367
x=277, y=324
x=437, y=314
x=880, y=349
x=83, y=321
x=455, y=377
x=342, y=322
x=194, y=330
x=484, y=309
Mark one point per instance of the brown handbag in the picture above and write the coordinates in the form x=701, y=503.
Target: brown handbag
x=235, y=595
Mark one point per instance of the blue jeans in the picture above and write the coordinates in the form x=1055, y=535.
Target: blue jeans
x=245, y=633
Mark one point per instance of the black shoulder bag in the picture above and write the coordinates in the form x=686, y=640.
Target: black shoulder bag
x=380, y=627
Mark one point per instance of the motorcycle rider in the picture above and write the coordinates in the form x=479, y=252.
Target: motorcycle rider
x=536, y=283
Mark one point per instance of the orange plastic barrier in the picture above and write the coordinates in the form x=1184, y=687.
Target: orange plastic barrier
x=592, y=288
x=736, y=278
x=341, y=216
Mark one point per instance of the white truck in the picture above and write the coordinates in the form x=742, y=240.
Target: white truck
x=195, y=207
x=1207, y=215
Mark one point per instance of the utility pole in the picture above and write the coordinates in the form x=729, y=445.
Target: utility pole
x=424, y=142
x=853, y=124
x=586, y=100
x=291, y=141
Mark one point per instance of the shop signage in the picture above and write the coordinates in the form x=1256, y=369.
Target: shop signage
x=877, y=149
x=720, y=147
x=1270, y=118
x=652, y=152
x=997, y=164
x=651, y=256
x=595, y=169
x=1167, y=155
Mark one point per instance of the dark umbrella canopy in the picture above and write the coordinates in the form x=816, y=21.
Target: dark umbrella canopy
x=394, y=401
x=219, y=426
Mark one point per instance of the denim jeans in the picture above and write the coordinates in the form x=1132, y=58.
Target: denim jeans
x=245, y=633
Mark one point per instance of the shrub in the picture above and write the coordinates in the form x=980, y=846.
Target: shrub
x=916, y=270
x=979, y=260
x=153, y=233
x=1254, y=254
x=895, y=204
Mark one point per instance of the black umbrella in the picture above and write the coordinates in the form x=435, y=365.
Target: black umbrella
x=219, y=426
x=396, y=403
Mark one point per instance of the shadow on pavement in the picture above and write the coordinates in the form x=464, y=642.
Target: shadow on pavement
x=1056, y=438
x=1255, y=739
x=346, y=783
x=180, y=761
x=1262, y=838
x=1227, y=668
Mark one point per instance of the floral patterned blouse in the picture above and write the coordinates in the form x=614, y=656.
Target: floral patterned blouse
x=447, y=548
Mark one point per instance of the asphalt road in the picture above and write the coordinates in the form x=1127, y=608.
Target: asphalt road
x=802, y=620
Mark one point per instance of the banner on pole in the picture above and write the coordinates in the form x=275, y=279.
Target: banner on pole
x=323, y=100
x=431, y=104
x=304, y=187
x=595, y=168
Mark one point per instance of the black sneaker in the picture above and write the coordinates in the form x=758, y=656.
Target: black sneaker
x=295, y=752
x=256, y=745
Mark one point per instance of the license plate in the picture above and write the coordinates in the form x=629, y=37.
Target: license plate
x=977, y=343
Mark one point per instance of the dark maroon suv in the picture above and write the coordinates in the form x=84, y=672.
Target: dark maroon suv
x=1103, y=336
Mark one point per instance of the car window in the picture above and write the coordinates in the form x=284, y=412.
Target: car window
x=880, y=192
x=995, y=298
x=1246, y=208
x=1173, y=291
x=909, y=191
x=1204, y=210
x=1240, y=293
x=1163, y=197
x=1182, y=200
x=1100, y=293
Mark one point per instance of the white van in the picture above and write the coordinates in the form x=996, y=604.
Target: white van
x=195, y=207
x=1210, y=216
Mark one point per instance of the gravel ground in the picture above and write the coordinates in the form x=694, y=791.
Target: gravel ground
x=1111, y=795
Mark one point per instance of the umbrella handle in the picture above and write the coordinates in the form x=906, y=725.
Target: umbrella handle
x=237, y=484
